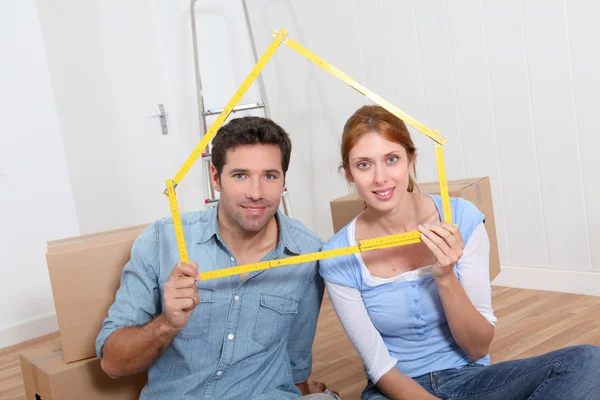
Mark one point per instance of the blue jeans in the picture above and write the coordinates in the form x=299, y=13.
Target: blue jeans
x=572, y=373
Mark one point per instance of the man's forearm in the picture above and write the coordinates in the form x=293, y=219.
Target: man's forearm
x=130, y=350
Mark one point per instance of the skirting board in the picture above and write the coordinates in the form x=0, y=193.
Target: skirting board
x=28, y=330
x=578, y=282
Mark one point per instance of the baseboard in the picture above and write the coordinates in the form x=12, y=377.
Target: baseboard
x=578, y=282
x=28, y=330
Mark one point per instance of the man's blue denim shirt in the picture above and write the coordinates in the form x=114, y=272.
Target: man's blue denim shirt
x=244, y=340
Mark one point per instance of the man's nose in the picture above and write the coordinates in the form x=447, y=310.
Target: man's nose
x=254, y=191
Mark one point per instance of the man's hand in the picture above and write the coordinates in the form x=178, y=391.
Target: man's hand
x=181, y=294
x=316, y=387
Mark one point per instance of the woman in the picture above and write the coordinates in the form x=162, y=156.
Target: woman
x=420, y=315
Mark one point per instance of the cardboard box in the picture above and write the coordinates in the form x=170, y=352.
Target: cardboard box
x=85, y=273
x=48, y=377
x=476, y=190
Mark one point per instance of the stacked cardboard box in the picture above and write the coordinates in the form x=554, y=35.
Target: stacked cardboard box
x=48, y=377
x=476, y=190
x=85, y=273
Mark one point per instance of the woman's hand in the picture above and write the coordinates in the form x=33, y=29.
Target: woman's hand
x=445, y=242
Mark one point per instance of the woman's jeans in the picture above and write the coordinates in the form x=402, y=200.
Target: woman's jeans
x=572, y=373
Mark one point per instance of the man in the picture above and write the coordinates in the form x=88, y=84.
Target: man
x=239, y=337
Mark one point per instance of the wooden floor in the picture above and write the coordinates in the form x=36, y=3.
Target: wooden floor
x=529, y=323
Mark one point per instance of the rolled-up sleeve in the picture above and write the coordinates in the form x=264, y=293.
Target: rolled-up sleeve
x=303, y=329
x=138, y=298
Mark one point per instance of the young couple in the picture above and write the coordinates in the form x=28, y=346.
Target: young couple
x=420, y=315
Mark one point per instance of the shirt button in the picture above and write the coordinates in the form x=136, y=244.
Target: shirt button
x=236, y=297
x=418, y=315
x=232, y=259
x=413, y=285
x=415, y=301
x=230, y=336
x=219, y=373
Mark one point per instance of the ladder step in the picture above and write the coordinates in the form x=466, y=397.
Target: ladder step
x=251, y=106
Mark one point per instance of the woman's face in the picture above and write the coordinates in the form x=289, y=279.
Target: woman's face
x=380, y=171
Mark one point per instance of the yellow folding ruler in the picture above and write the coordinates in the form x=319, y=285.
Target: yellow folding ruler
x=361, y=89
x=364, y=245
x=183, y=256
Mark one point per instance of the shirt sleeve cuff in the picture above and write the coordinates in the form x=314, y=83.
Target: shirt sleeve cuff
x=101, y=339
x=375, y=377
x=301, y=372
x=490, y=317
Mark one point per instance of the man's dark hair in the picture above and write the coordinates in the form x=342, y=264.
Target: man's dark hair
x=249, y=131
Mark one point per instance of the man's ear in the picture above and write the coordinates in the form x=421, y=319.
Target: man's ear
x=215, y=180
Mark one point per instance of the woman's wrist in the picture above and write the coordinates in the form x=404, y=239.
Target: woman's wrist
x=446, y=279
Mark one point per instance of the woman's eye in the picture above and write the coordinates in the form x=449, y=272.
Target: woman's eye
x=363, y=165
x=393, y=159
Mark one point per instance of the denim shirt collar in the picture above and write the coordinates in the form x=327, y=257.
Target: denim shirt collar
x=286, y=239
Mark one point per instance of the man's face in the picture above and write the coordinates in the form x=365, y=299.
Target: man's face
x=250, y=185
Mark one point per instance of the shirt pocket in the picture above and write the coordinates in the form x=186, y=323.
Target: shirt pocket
x=199, y=323
x=275, y=314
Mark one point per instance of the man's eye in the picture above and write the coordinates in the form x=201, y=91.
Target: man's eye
x=239, y=176
x=270, y=177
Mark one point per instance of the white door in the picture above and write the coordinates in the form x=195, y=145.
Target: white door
x=108, y=78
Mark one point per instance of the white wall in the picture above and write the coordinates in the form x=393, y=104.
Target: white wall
x=36, y=201
x=109, y=77
x=105, y=68
x=511, y=85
